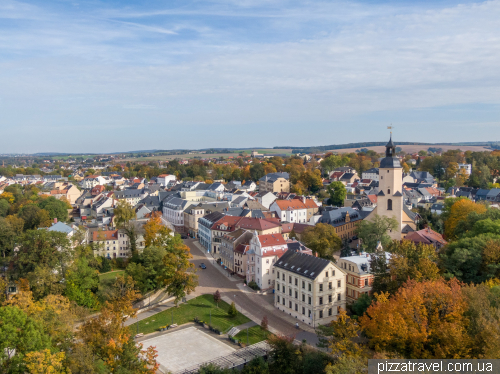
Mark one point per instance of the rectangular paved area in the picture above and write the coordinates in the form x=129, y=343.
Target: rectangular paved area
x=184, y=348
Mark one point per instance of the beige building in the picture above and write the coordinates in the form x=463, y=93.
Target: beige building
x=66, y=190
x=390, y=197
x=229, y=243
x=308, y=288
x=275, y=182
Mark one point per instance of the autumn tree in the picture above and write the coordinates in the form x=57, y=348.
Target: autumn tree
x=178, y=273
x=372, y=232
x=264, y=324
x=44, y=362
x=156, y=233
x=283, y=356
x=422, y=320
x=322, y=239
x=337, y=192
x=459, y=212
x=407, y=260
x=338, y=336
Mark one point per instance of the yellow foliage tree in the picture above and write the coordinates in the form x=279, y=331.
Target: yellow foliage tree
x=459, y=212
x=7, y=196
x=155, y=232
x=44, y=362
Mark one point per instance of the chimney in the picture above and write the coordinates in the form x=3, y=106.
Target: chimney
x=55, y=220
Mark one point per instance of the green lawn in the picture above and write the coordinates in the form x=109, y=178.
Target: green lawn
x=198, y=307
x=111, y=274
x=255, y=335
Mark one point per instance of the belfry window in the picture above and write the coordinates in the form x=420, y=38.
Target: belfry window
x=389, y=204
x=388, y=191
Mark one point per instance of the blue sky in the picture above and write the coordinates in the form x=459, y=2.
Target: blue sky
x=95, y=76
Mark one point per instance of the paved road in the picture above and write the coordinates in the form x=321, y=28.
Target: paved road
x=211, y=279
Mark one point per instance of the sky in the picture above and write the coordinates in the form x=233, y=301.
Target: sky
x=114, y=76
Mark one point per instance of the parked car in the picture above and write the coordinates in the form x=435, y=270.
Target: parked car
x=203, y=266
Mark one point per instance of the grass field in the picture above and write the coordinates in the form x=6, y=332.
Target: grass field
x=200, y=307
x=255, y=335
x=111, y=274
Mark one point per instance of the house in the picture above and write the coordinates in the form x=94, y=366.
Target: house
x=466, y=167
x=344, y=220
x=427, y=236
x=248, y=186
x=91, y=181
x=348, y=178
x=165, y=179
x=264, y=251
x=309, y=288
x=437, y=208
x=195, y=211
x=290, y=210
x=297, y=228
x=311, y=205
x=481, y=194
x=265, y=198
x=423, y=177
x=97, y=190
x=275, y=182
x=173, y=212
x=132, y=196
x=493, y=195
x=70, y=192
x=370, y=174
x=205, y=224
x=231, y=258
x=222, y=226
x=359, y=279
x=62, y=227
x=110, y=243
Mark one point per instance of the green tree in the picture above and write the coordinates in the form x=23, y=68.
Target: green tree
x=360, y=306
x=232, y=312
x=56, y=208
x=331, y=162
x=283, y=356
x=376, y=231
x=81, y=281
x=7, y=236
x=256, y=366
x=34, y=217
x=322, y=239
x=4, y=207
x=20, y=335
x=337, y=192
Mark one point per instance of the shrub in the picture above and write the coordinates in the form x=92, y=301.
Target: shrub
x=253, y=286
x=232, y=312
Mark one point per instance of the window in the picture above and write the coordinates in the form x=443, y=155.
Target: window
x=320, y=300
x=267, y=261
x=284, y=289
x=309, y=300
x=309, y=313
x=330, y=298
x=283, y=301
x=326, y=274
x=296, y=295
x=278, y=299
x=330, y=286
x=320, y=288
x=290, y=291
x=389, y=204
x=283, y=277
x=296, y=307
x=333, y=271
x=290, y=304
x=303, y=310
x=278, y=286
x=267, y=271
x=309, y=286
x=366, y=282
x=303, y=284
x=320, y=314
x=296, y=282
x=269, y=281
x=289, y=279
x=303, y=298
x=388, y=191
x=278, y=274
x=338, y=283
x=338, y=297
x=330, y=311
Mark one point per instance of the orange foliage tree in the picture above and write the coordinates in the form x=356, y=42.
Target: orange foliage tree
x=459, y=212
x=155, y=232
x=422, y=320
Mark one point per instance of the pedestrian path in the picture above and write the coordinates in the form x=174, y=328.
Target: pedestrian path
x=232, y=278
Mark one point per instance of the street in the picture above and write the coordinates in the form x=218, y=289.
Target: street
x=212, y=279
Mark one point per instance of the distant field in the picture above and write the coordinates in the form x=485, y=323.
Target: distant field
x=208, y=155
x=416, y=148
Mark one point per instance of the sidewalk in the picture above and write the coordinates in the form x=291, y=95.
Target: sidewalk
x=232, y=278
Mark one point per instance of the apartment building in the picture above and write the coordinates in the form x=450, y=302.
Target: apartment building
x=310, y=289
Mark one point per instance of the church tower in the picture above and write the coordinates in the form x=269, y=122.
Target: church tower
x=390, y=196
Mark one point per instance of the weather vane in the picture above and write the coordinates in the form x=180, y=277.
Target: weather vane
x=390, y=128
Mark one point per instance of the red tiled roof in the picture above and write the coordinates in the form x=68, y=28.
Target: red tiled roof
x=241, y=248
x=271, y=240
x=260, y=224
x=229, y=221
x=105, y=235
x=373, y=198
x=427, y=236
x=293, y=204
